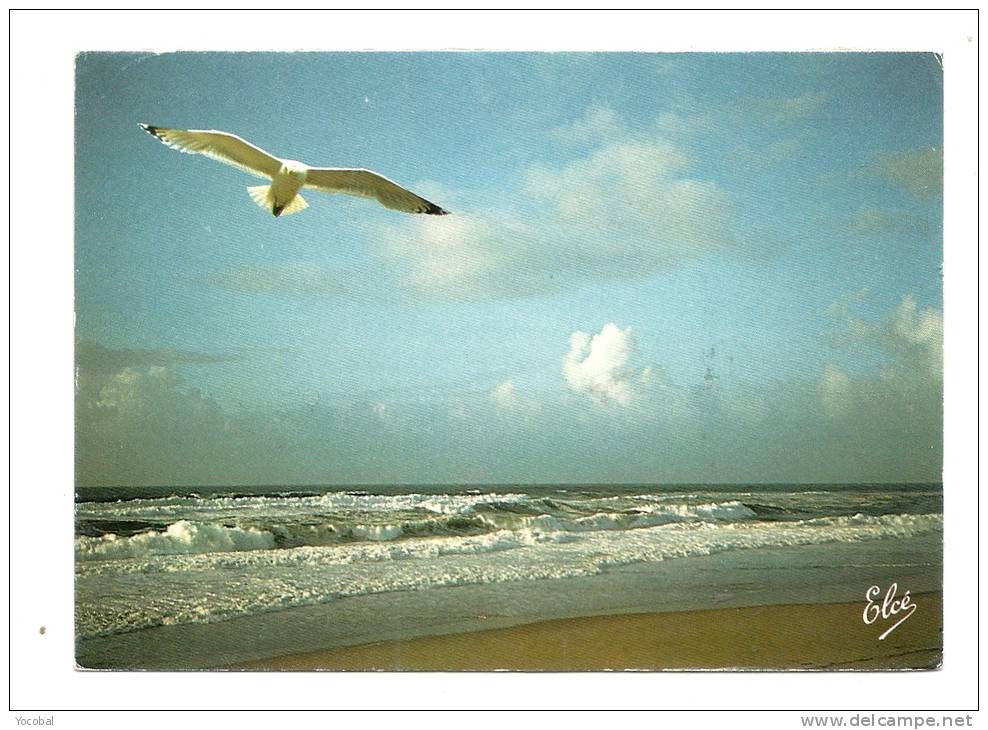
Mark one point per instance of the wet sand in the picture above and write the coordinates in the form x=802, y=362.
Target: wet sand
x=826, y=636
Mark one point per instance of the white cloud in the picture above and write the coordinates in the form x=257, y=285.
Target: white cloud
x=784, y=110
x=598, y=365
x=133, y=389
x=918, y=172
x=625, y=207
x=120, y=389
x=916, y=334
x=134, y=422
x=842, y=306
x=910, y=336
x=456, y=254
x=909, y=385
x=804, y=105
x=596, y=123
x=782, y=150
x=504, y=394
x=835, y=387
x=886, y=222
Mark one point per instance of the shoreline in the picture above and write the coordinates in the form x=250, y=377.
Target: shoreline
x=801, y=636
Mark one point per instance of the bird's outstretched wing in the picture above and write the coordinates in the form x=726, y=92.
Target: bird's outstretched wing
x=369, y=184
x=221, y=146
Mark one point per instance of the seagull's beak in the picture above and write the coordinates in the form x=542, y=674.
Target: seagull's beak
x=277, y=210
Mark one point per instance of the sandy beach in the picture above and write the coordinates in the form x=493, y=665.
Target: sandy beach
x=830, y=636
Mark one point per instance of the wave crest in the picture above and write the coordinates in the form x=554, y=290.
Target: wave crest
x=181, y=538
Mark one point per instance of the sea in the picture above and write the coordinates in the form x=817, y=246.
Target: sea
x=198, y=578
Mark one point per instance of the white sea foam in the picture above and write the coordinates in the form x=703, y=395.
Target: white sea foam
x=336, y=517
x=172, y=509
x=649, y=514
x=180, y=537
x=377, y=533
x=184, y=586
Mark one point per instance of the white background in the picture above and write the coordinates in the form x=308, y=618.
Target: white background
x=43, y=679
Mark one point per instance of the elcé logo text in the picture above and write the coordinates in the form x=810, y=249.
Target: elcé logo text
x=890, y=607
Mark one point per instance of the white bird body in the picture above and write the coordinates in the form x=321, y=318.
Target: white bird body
x=287, y=177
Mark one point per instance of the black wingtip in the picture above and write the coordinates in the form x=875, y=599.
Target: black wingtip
x=148, y=128
x=433, y=209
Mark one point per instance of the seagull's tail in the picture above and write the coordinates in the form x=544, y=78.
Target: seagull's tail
x=294, y=205
x=261, y=194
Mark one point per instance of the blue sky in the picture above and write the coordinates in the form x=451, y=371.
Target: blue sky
x=750, y=245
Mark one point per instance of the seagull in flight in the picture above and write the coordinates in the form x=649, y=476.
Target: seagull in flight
x=289, y=176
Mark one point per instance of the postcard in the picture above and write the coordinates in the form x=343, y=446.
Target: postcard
x=508, y=361
x=538, y=361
